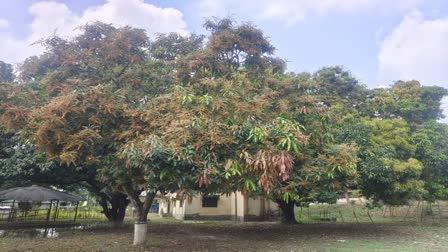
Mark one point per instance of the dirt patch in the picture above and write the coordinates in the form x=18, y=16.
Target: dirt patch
x=229, y=236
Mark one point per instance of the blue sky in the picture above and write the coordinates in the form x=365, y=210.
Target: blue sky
x=380, y=41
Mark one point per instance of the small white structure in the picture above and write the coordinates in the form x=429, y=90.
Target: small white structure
x=234, y=206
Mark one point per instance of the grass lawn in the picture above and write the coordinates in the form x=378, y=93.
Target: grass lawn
x=172, y=235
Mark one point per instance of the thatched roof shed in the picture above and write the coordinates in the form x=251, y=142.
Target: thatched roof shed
x=36, y=193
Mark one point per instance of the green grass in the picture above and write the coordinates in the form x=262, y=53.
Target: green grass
x=361, y=214
x=168, y=234
x=62, y=215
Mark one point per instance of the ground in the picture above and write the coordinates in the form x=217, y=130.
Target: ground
x=396, y=234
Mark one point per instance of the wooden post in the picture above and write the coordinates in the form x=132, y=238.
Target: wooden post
x=11, y=212
x=440, y=211
x=342, y=217
x=432, y=211
x=236, y=207
x=347, y=197
x=422, y=212
x=76, y=212
x=356, y=217
x=417, y=209
x=56, y=211
x=370, y=217
x=407, y=212
x=49, y=211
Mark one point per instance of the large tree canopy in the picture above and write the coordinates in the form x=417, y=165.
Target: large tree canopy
x=179, y=115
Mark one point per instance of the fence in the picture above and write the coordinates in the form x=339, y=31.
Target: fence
x=23, y=213
x=359, y=213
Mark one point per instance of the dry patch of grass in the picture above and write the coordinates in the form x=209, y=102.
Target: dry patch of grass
x=230, y=236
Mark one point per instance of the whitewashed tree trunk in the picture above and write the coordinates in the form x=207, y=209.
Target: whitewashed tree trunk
x=142, y=209
x=140, y=230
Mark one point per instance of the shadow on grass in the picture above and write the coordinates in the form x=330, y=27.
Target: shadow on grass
x=175, y=235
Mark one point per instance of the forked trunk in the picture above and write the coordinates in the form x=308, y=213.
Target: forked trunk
x=114, y=207
x=113, y=203
x=118, y=211
x=141, y=211
x=287, y=208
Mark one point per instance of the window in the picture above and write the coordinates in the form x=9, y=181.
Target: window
x=210, y=201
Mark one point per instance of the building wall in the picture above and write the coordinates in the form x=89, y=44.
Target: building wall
x=241, y=206
x=195, y=206
x=260, y=208
x=254, y=206
x=165, y=207
x=230, y=207
x=178, y=209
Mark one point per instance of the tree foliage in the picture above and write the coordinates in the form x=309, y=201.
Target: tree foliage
x=178, y=114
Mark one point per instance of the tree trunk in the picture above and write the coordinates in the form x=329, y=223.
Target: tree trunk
x=113, y=203
x=141, y=210
x=118, y=211
x=140, y=231
x=287, y=208
x=140, y=225
x=140, y=214
x=114, y=207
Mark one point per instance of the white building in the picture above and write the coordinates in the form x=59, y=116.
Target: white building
x=235, y=206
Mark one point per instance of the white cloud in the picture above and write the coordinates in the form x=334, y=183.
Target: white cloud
x=3, y=23
x=416, y=49
x=293, y=11
x=52, y=17
x=139, y=14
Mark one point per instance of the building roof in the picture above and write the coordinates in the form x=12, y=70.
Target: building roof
x=36, y=194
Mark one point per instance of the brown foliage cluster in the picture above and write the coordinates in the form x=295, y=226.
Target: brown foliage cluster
x=274, y=167
x=76, y=128
x=96, y=102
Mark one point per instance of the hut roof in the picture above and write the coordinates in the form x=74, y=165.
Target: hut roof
x=37, y=194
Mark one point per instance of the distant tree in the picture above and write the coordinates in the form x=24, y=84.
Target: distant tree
x=6, y=72
x=398, y=169
x=230, y=48
x=409, y=101
x=22, y=165
x=431, y=139
x=389, y=169
x=172, y=46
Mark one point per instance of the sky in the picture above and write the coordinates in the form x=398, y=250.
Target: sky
x=379, y=41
